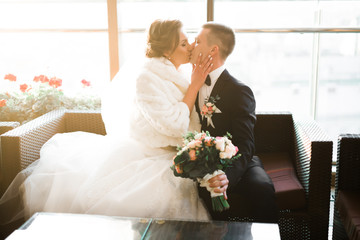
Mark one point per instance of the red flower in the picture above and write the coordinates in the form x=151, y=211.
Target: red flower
x=55, y=82
x=23, y=87
x=41, y=78
x=2, y=102
x=10, y=77
x=85, y=83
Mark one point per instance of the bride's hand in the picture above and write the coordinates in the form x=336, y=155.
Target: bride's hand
x=200, y=70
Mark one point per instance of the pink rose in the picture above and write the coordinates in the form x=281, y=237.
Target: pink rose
x=198, y=143
x=208, y=141
x=204, y=110
x=192, y=154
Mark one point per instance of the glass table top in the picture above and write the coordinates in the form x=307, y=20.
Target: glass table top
x=83, y=226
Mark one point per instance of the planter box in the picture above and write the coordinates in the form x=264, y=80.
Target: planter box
x=7, y=126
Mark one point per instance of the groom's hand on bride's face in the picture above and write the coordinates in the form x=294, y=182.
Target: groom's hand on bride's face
x=220, y=183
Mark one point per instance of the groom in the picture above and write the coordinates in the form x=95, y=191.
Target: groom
x=249, y=189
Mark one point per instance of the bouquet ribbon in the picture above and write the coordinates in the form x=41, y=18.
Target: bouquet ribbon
x=218, y=200
x=204, y=183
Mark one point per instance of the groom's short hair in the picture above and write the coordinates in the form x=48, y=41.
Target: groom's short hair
x=222, y=36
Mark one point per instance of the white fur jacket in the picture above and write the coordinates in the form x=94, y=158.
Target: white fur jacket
x=161, y=118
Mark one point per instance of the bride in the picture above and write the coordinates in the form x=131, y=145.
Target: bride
x=128, y=174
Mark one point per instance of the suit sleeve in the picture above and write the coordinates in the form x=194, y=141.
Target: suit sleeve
x=243, y=120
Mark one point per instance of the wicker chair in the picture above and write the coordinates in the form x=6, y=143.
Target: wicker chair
x=347, y=184
x=21, y=146
x=4, y=127
x=7, y=126
x=309, y=148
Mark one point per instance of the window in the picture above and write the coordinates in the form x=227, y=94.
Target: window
x=134, y=17
x=312, y=74
x=66, y=39
x=278, y=68
x=284, y=49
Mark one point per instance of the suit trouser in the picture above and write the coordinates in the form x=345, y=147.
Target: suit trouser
x=252, y=199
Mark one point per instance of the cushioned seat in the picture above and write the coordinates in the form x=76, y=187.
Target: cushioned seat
x=348, y=203
x=289, y=191
x=346, y=224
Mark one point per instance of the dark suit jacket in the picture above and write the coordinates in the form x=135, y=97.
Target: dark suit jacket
x=237, y=106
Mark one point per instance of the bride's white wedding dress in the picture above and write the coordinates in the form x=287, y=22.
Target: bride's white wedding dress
x=88, y=173
x=122, y=174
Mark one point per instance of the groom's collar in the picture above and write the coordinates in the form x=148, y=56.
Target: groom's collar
x=215, y=74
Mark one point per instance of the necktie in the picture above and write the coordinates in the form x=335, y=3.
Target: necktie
x=208, y=80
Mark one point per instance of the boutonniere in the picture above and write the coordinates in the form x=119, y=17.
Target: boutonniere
x=209, y=109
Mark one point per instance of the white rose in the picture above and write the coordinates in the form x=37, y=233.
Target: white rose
x=225, y=155
x=220, y=144
x=222, y=155
x=183, y=150
x=191, y=144
x=198, y=136
x=230, y=151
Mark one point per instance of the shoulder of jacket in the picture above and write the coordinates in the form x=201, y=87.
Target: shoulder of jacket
x=234, y=85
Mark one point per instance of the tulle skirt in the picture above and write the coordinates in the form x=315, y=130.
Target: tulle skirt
x=93, y=174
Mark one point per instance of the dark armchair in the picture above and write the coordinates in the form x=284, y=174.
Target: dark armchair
x=347, y=188
x=297, y=156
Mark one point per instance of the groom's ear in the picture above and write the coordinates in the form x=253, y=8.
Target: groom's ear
x=214, y=50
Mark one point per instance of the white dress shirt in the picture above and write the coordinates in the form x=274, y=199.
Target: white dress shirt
x=205, y=90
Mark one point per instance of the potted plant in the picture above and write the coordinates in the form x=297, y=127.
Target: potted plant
x=24, y=102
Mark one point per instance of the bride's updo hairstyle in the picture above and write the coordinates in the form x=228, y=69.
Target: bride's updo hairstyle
x=163, y=37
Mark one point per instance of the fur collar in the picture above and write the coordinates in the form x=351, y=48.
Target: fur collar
x=167, y=71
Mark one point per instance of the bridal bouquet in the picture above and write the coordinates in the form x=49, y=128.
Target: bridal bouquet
x=203, y=157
